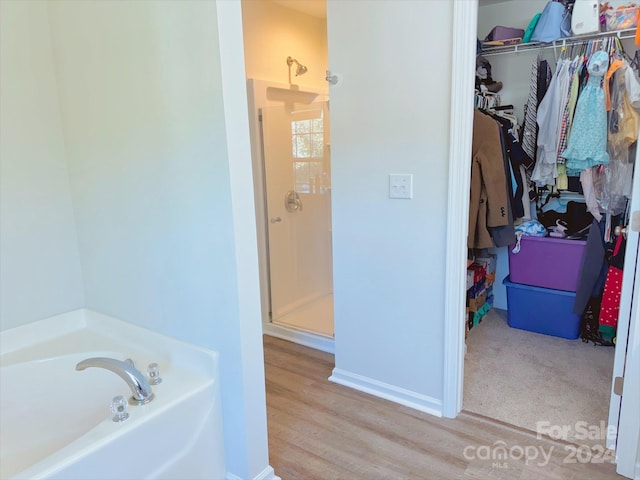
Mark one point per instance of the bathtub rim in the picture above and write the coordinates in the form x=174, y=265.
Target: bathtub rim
x=59, y=326
x=203, y=363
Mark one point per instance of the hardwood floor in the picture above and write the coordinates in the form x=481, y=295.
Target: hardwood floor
x=321, y=430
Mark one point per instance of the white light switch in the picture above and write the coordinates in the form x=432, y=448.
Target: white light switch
x=400, y=185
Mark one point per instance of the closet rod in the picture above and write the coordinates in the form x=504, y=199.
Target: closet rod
x=522, y=47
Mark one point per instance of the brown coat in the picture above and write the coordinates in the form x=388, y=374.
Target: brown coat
x=488, y=204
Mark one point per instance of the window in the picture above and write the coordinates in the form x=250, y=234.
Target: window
x=307, y=142
x=307, y=138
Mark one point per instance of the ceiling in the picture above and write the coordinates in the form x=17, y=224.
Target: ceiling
x=318, y=8
x=315, y=8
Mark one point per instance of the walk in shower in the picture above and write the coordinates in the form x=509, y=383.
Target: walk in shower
x=293, y=193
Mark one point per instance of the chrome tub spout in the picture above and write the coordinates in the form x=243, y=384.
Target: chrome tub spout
x=140, y=388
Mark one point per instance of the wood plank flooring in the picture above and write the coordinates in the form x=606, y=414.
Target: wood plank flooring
x=321, y=430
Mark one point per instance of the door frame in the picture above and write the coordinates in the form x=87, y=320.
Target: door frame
x=464, y=38
x=628, y=436
x=257, y=99
x=624, y=412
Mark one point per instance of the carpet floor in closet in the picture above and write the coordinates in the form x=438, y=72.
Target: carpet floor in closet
x=523, y=378
x=324, y=431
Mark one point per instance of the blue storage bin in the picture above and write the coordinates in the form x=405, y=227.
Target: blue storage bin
x=542, y=310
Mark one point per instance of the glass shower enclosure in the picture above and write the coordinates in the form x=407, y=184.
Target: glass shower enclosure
x=297, y=173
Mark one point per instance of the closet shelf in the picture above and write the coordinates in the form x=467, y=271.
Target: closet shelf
x=522, y=47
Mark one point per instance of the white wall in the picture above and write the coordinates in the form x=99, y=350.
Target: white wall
x=141, y=89
x=40, y=273
x=390, y=114
x=273, y=32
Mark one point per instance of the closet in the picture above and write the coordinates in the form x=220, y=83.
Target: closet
x=524, y=365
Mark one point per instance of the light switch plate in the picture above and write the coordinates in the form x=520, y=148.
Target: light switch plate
x=400, y=185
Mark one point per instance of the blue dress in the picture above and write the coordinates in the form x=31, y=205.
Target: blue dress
x=588, y=139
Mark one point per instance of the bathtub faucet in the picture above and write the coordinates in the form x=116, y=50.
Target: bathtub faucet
x=139, y=385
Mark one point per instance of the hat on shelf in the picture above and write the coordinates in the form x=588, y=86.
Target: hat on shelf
x=484, y=81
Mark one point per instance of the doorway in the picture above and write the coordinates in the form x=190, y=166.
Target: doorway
x=297, y=178
x=466, y=17
x=285, y=61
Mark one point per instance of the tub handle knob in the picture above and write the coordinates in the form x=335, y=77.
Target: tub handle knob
x=154, y=374
x=119, y=409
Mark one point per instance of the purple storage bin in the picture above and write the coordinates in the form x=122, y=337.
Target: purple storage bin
x=504, y=33
x=547, y=262
x=542, y=310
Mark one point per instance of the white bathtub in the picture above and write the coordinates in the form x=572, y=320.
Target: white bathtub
x=55, y=421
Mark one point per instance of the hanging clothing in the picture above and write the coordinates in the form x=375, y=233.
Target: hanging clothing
x=565, y=100
x=530, y=128
x=610, y=180
x=549, y=121
x=586, y=180
x=515, y=156
x=588, y=141
x=610, y=307
x=562, y=180
x=624, y=120
x=505, y=235
x=544, y=79
x=615, y=65
x=526, y=201
x=593, y=269
x=489, y=202
x=540, y=78
x=632, y=84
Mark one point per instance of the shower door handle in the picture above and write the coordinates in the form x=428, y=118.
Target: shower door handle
x=292, y=202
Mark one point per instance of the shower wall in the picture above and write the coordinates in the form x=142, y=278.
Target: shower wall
x=40, y=273
x=272, y=33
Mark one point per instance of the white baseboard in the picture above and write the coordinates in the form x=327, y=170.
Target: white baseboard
x=395, y=394
x=266, y=474
x=307, y=339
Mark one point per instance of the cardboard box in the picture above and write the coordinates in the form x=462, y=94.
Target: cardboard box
x=479, y=272
x=469, y=279
x=476, y=303
x=489, y=263
x=476, y=289
x=474, y=318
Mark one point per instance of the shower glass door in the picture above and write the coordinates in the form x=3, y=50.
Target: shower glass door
x=297, y=176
